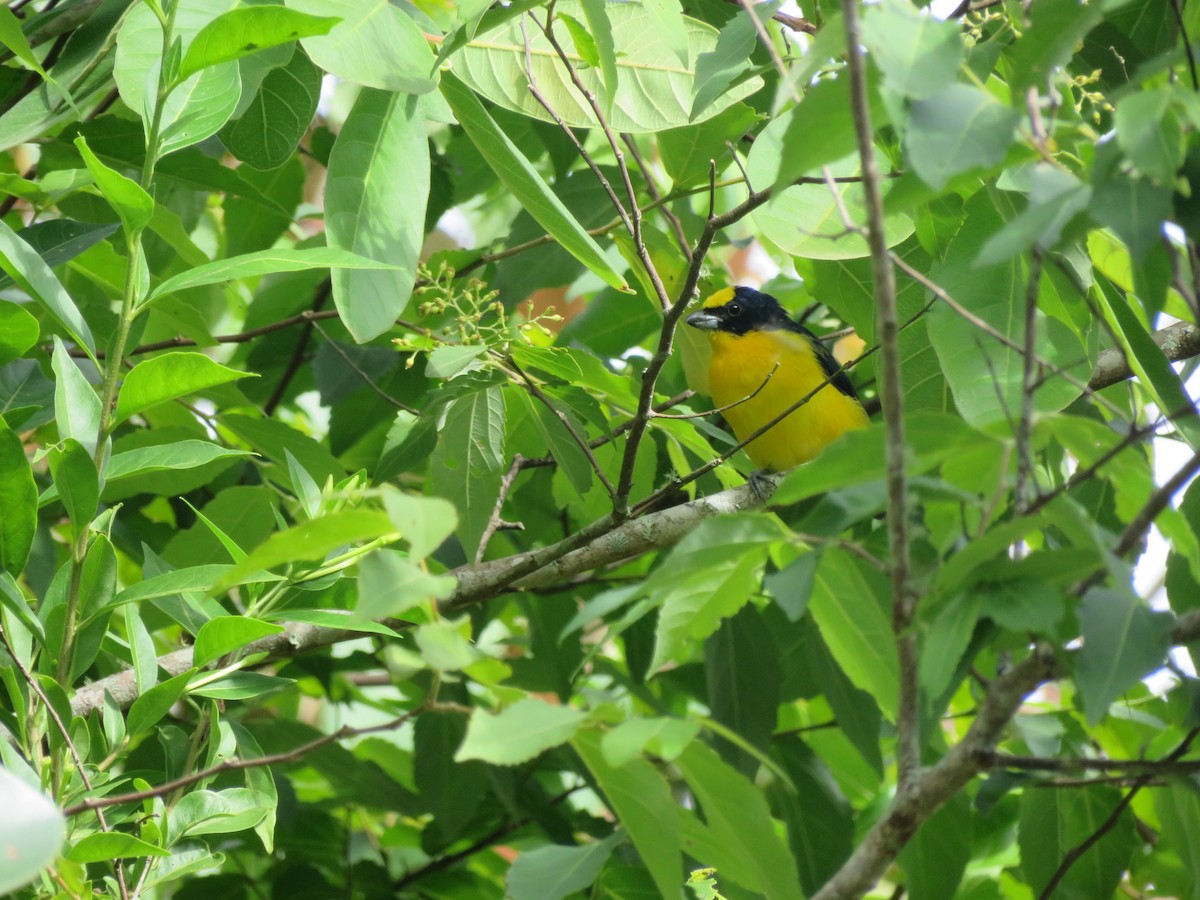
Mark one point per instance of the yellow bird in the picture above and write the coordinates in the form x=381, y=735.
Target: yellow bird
x=762, y=363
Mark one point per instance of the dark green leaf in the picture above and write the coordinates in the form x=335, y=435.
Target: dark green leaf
x=551, y=873
x=469, y=461
x=74, y=474
x=1123, y=641
x=267, y=132
x=18, y=503
x=34, y=277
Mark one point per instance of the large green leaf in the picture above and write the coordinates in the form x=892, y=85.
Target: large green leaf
x=918, y=53
x=520, y=177
x=641, y=799
x=1056, y=820
x=849, y=605
x=376, y=45
x=264, y=262
x=959, y=128
x=654, y=89
x=18, y=503
x=267, y=132
x=381, y=153
x=1123, y=641
x=30, y=272
x=738, y=817
x=167, y=377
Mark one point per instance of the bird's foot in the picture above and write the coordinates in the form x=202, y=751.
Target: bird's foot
x=762, y=484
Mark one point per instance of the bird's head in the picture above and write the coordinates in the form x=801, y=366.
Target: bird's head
x=739, y=310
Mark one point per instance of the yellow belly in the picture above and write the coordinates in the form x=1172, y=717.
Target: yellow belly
x=740, y=365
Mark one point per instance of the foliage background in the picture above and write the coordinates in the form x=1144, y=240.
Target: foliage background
x=344, y=558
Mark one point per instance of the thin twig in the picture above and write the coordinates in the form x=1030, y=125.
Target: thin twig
x=495, y=521
x=904, y=599
x=322, y=294
x=728, y=406
x=442, y=863
x=531, y=386
x=236, y=765
x=656, y=195
x=1073, y=855
x=1187, y=44
x=358, y=370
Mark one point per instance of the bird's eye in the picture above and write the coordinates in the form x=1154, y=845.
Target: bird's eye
x=734, y=309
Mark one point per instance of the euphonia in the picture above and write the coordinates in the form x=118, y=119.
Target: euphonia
x=759, y=353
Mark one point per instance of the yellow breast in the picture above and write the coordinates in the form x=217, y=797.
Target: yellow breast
x=743, y=365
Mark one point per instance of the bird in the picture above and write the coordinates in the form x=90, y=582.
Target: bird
x=762, y=363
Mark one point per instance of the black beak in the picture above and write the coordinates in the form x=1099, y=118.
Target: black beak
x=704, y=321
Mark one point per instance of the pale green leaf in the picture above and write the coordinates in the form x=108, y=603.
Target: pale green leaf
x=518, y=733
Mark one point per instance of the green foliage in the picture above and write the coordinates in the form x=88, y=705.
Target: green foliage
x=335, y=556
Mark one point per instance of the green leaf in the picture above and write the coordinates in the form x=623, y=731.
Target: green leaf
x=738, y=817
x=333, y=618
x=240, y=686
x=74, y=473
x=268, y=131
x=391, y=585
x=140, y=47
x=264, y=262
x=18, y=503
x=31, y=831
x=151, y=705
x=518, y=733
x=653, y=92
x=313, y=540
x=742, y=669
x=665, y=738
x=596, y=14
x=1147, y=360
x=382, y=152
x=424, y=522
x=449, y=360
x=984, y=373
x=247, y=30
x=1150, y=134
x=849, y=605
x=1055, y=197
x=76, y=405
x=1123, y=641
x=686, y=151
x=1057, y=27
x=134, y=206
x=785, y=150
x=194, y=579
x=468, y=462
x=642, y=802
x=918, y=53
x=961, y=127
x=820, y=822
x=18, y=332
x=226, y=634
x=717, y=69
x=666, y=20
x=162, y=378
x=376, y=45
x=108, y=845
x=217, y=812
x=551, y=873
x=199, y=107
x=522, y=179
x=935, y=859
x=1056, y=820
x=34, y=277
x=164, y=457
x=446, y=646
x=452, y=791
x=806, y=220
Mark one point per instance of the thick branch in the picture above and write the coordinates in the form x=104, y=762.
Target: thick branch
x=549, y=565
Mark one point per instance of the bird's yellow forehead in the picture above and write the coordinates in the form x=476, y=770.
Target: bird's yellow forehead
x=720, y=298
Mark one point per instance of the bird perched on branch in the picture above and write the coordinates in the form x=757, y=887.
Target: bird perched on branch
x=762, y=363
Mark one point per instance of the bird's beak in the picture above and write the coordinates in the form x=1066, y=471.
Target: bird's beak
x=704, y=321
